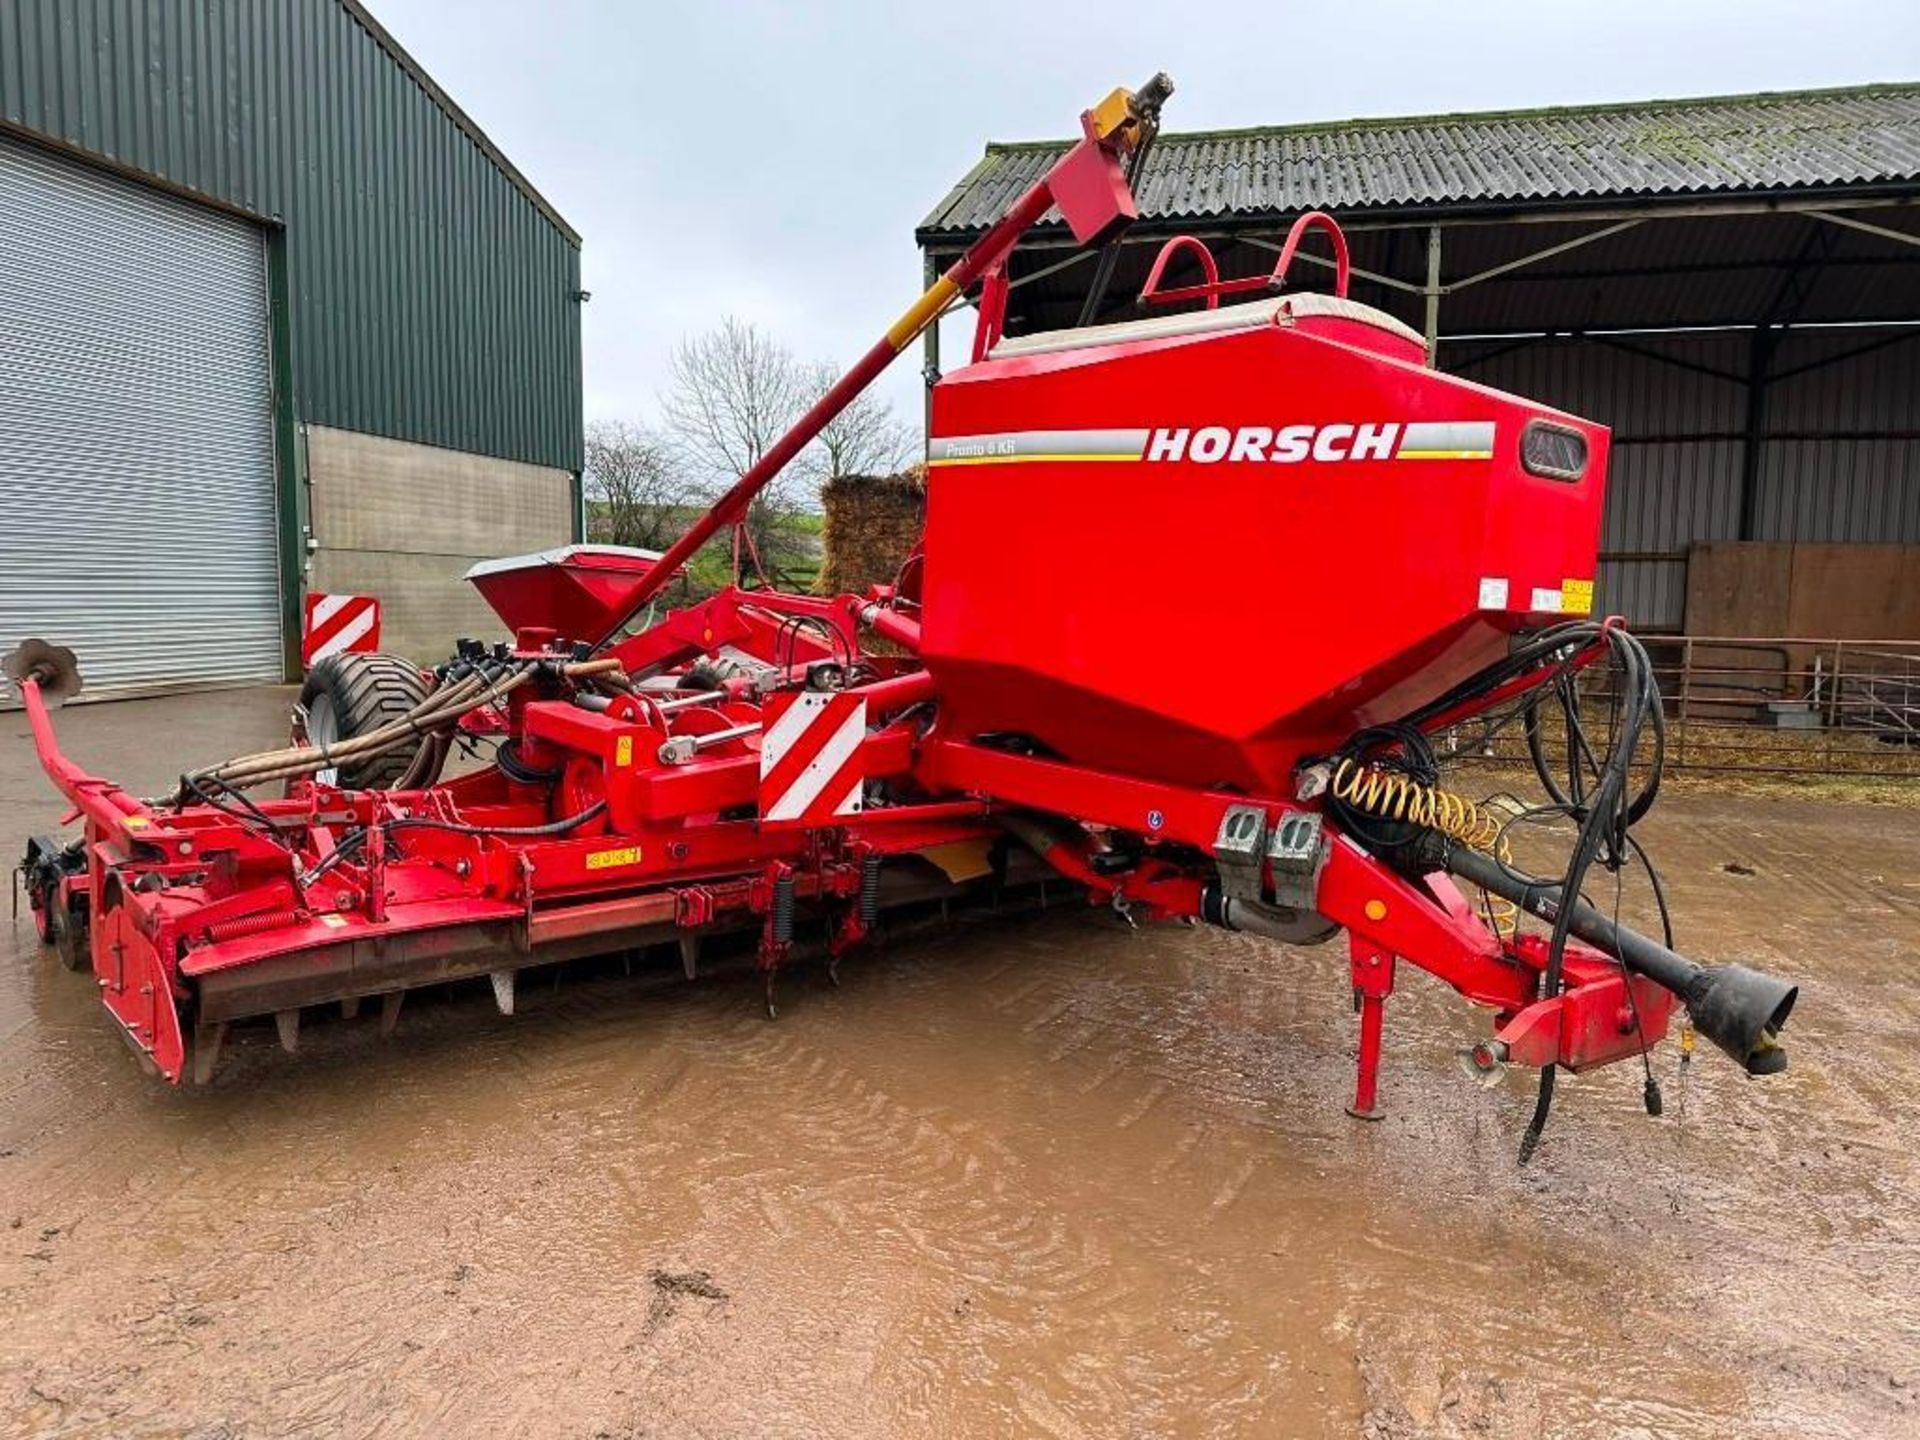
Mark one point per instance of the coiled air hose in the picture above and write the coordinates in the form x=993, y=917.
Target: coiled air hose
x=1396, y=795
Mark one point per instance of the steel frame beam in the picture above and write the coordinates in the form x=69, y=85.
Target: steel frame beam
x=1902, y=237
x=1154, y=232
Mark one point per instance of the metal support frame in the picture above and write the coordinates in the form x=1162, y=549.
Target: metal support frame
x=1781, y=312
x=1866, y=227
x=1431, y=330
x=1611, y=220
x=1647, y=352
x=1547, y=253
x=1754, y=432
x=1899, y=332
x=1907, y=330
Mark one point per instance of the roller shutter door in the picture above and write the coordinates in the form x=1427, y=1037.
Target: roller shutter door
x=137, y=494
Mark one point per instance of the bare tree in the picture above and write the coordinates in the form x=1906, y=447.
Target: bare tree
x=731, y=392
x=636, y=495
x=866, y=438
x=735, y=390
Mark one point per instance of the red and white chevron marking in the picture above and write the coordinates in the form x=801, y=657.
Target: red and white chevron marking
x=810, y=771
x=338, y=624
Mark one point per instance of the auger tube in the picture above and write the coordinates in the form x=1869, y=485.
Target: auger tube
x=1107, y=127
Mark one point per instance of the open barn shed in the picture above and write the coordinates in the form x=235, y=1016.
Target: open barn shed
x=1732, y=284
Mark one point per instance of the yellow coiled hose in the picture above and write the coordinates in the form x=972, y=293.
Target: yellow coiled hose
x=1393, y=796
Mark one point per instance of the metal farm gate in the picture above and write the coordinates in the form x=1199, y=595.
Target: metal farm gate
x=137, y=479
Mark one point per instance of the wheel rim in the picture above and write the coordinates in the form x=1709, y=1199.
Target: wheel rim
x=323, y=728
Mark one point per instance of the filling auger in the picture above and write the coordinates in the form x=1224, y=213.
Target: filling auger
x=1202, y=597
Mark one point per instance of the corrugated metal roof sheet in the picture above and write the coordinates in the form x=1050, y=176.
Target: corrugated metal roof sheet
x=1817, y=139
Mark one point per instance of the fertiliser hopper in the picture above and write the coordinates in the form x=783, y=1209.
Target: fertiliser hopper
x=1200, y=596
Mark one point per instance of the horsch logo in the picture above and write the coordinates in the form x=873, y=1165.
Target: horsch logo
x=1288, y=445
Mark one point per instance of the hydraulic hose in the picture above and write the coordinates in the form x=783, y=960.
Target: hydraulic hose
x=439, y=710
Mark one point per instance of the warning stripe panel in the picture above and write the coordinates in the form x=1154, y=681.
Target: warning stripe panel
x=810, y=758
x=338, y=624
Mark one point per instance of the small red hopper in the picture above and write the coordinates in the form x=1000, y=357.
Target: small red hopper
x=1201, y=595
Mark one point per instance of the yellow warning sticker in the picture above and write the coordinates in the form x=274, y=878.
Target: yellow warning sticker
x=623, y=751
x=334, y=922
x=610, y=859
x=1576, y=597
x=137, y=822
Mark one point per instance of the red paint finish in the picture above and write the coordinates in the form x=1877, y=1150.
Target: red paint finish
x=578, y=591
x=1208, y=616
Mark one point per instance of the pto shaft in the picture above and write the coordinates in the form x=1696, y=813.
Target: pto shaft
x=1739, y=1010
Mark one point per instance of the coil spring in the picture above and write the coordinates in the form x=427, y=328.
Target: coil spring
x=1393, y=796
x=224, y=930
x=783, y=910
x=869, y=892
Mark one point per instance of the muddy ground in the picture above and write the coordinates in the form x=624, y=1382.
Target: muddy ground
x=1041, y=1177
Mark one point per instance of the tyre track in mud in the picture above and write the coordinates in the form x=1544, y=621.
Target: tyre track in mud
x=928, y=1189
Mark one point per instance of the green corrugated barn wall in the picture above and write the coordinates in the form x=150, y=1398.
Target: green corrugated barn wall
x=424, y=292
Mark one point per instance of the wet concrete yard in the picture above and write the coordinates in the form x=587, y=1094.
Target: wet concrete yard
x=1024, y=1177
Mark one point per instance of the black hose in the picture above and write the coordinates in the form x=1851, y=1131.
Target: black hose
x=506, y=755
x=1603, y=826
x=352, y=842
x=1604, y=812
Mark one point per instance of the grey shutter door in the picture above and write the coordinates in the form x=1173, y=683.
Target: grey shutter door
x=137, y=491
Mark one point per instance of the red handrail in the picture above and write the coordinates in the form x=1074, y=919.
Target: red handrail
x=1152, y=294
x=1314, y=219
x=1214, y=287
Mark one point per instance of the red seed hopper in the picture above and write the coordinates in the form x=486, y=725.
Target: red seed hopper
x=572, y=590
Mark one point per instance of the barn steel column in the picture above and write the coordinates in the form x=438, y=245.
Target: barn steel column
x=930, y=341
x=292, y=508
x=1788, y=301
x=1432, y=292
x=1754, y=433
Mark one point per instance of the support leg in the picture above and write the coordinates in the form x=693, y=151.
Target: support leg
x=1372, y=983
x=206, y=1050
x=690, y=954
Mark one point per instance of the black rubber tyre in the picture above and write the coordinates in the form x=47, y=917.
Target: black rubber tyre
x=70, y=938
x=349, y=695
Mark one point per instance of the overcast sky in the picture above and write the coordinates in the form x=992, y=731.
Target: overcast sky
x=772, y=160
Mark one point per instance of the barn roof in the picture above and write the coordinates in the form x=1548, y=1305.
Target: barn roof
x=1861, y=138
